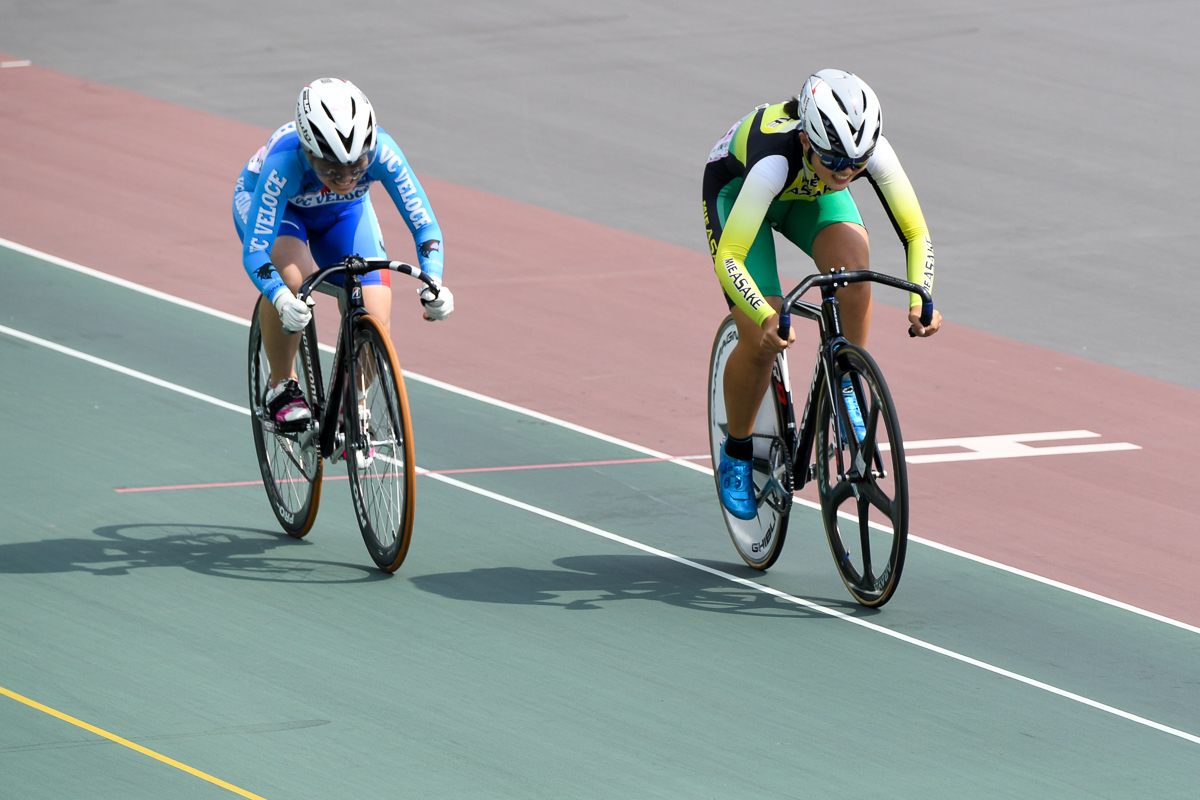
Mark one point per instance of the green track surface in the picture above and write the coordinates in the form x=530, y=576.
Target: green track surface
x=511, y=655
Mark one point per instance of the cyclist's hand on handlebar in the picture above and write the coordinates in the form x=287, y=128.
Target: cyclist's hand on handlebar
x=770, y=339
x=438, y=307
x=292, y=313
x=915, y=326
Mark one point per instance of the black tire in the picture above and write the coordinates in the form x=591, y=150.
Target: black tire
x=868, y=547
x=290, y=462
x=379, y=446
x=759, y=540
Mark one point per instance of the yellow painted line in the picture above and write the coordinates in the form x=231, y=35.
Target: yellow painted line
x=131, y=745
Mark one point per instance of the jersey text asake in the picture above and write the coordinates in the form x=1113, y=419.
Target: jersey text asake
x=743, y=286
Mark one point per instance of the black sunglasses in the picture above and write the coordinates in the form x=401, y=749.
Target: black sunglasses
x=839, y=163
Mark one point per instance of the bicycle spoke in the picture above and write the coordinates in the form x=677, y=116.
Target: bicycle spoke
x=864, y=536
x=291, y=471
x=870, y=559
x=284, y=444
x=380, y=475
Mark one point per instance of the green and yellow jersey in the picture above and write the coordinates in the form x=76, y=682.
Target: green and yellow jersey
x=759, y=165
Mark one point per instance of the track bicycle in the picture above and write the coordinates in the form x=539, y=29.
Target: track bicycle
x=866, y=473
x=362, y=419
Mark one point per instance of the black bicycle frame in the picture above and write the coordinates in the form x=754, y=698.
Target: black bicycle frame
x=829, y=324
x=345, y=365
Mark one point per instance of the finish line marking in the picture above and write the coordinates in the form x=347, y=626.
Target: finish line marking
x=131, y=745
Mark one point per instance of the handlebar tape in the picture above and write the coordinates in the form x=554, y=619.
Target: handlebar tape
x=785, y=326
x=926, y=317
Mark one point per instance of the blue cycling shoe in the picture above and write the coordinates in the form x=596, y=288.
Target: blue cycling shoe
x=736, y=482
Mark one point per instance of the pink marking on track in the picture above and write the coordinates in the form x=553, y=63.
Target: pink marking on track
x=422, y=472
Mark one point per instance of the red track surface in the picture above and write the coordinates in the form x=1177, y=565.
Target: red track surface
x=612, y=331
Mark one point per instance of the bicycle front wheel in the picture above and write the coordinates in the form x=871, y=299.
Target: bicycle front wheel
x=863, y=485
x=758, y=540
x=379, y=446
x=290, y=461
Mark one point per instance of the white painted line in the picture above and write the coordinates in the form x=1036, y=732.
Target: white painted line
x=571, y=426
x=1066, y=587
x=1099, y=598
x=597, y=435
x=62, y=262
x=133, y=373
x=136, y=287
x=11, y=64
x=1008, y=445
x=697, y=566
x=817, y=607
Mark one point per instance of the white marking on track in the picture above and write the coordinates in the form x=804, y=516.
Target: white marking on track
x=817, y=607
x=965, y=659
x=11, y=64
x=136, y=287
x=133, y=373
x=1008, y=445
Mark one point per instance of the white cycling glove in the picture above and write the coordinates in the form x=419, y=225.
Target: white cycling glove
x=292, y=313
x=439, y=307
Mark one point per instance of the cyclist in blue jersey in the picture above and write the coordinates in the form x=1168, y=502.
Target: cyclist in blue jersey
x=302, y=203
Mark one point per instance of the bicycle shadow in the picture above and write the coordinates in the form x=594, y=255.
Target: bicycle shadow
x=219, y=550
x=587, y=583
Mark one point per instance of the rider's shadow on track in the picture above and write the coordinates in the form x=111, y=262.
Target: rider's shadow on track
x=587, y=583
x=228, y=552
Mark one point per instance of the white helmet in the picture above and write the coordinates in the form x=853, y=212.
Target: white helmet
x=840, y=114
x=335, y=121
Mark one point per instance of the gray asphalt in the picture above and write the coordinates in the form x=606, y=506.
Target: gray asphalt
x=1047, y=140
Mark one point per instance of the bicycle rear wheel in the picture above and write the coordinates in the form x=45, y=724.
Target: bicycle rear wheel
x=863, y=486
x=759, y=540
x=290, y=461
x=379, y=446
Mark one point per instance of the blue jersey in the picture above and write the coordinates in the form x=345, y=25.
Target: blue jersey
x=279, y=179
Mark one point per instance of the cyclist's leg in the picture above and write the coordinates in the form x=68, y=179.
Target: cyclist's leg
x=377, y=287
x=748, y=370
x=293, y=263
x=355, y=231
x=747, y=373
x=830, y=230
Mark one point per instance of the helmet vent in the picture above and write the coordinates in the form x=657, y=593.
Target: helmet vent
x=831, y=136
x=322, y=143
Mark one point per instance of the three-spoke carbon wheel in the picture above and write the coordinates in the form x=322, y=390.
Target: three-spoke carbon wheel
x=759, y=540
x=863, y=486
x=379, y=446
x=290, y=461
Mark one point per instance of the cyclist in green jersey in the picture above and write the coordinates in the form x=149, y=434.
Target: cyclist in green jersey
x=787, y=167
